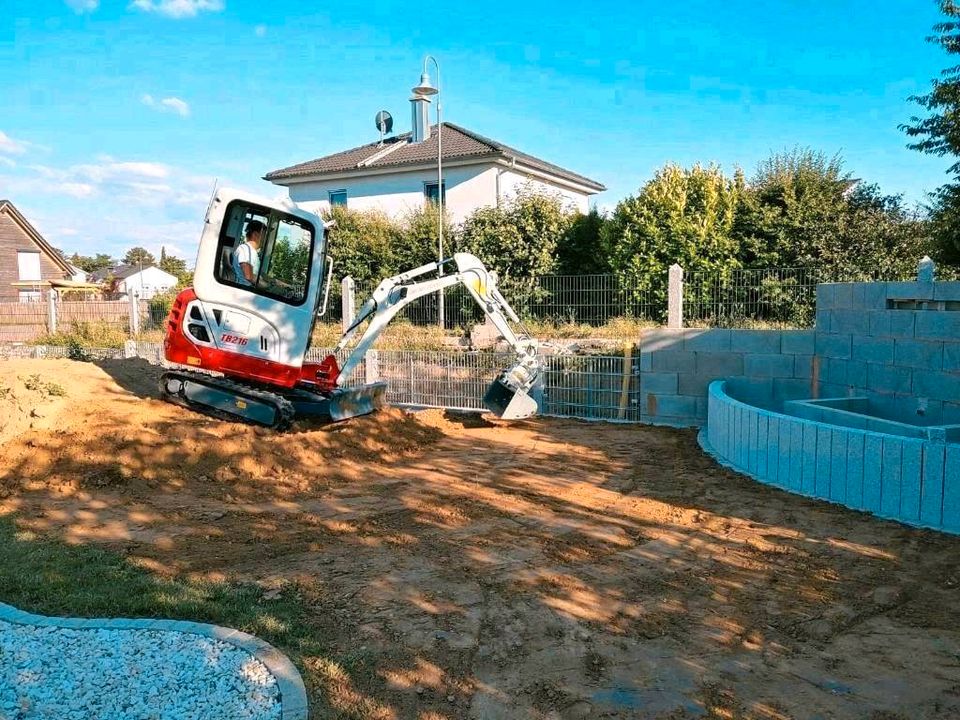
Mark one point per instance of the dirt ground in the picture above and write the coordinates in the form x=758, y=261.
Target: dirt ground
x=474, y=569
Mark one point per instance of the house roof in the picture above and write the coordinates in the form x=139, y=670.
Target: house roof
x=34, y=234
x=458, y=144
x=120, y=272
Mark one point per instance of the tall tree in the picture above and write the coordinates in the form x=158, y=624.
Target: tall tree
x=938, y=133
x=86, y=263
x=681, y=216
x=138, y=256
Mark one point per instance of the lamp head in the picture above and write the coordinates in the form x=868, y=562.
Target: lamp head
x=425, y=87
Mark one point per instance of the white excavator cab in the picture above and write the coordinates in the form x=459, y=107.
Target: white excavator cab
x=262, y=279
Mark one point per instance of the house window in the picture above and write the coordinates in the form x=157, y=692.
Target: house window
x=29, y=296
x=430, y=192
x=28, y=265
x=338, y=198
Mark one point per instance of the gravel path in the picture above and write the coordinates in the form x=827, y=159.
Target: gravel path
x=129, y=675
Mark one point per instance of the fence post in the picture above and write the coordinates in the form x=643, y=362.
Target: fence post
x=52, y=312
x=675, y=297
x=372, y=362
x=348, y=303
x=134, y=314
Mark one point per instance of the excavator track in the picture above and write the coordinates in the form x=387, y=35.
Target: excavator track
x=226, y=399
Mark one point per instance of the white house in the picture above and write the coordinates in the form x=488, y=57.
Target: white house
x=144, y=281
x=400, y=173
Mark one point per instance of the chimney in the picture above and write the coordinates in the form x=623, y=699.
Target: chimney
x=420, y=109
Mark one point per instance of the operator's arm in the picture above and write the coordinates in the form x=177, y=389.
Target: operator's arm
x=247, y=270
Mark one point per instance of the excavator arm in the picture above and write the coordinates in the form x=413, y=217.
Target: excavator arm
x=510, y=395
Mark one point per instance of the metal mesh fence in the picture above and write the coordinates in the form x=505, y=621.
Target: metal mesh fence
x=776, y=296
x=583, y=299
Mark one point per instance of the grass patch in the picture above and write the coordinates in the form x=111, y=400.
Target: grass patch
x=48, y=577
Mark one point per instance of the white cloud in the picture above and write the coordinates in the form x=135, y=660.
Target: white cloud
x=11, y=146
x=170, y=104
x=77, y=190
x=7, y=162
x=178, y=9
x=83, y=6
x=260, y=30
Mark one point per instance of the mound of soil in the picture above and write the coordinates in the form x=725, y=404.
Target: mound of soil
x=28, y=399
x=111, y=430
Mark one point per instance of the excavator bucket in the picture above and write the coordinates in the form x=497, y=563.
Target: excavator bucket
x=351, y=402
x=510, y=403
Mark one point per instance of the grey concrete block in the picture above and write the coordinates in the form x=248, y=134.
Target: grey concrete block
x=875, y=296
x=834, y=370
x=803, y=366
x=951, y=356
x=717, y=366
x=856, y=373
x=797, y=342
x=756, y=391
x=872, y=349
x=939, y=385
x=791, y=389
x=922, y=354
x=659, y=339
x=938, y=325
x=830, y=345
x=854, y=322
x=692, y=384
x=677, y=406
x=911, y=290
x=822, y=320
x=711, y=340
x=946, y=291
x=832, y=390
x=679, y=361
x=902, y=323
x=646, y=361
x=826, y=294
x=889, y=379
x=755, y=341
x=879, y=322
x=843, y=296
x=767, y=365
x=660, y=383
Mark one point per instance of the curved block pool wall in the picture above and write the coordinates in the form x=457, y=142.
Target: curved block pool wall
x=911, y=480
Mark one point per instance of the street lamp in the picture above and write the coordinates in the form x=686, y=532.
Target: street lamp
x=426, y=89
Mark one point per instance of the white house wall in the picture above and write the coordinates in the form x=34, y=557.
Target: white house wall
x=511, y=181
x=395, y=194
x=152, y=281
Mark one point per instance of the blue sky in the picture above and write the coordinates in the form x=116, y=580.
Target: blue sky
x=117, y=116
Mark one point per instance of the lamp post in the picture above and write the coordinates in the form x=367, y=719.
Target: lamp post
x=426, y=89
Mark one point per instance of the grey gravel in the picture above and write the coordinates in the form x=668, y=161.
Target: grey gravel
x=50, y=672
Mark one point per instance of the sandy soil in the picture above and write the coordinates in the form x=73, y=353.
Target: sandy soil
x=546, y=569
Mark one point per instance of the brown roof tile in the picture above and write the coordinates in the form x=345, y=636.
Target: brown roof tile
x=457, y=143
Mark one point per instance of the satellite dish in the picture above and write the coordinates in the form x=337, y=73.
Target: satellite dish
x=384, y=122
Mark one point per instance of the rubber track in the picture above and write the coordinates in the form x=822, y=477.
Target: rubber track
x=285, y=408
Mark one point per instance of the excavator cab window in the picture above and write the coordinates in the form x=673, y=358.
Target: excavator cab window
x=283, y=254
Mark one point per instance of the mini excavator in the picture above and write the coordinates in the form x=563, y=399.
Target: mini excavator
x=239, y=341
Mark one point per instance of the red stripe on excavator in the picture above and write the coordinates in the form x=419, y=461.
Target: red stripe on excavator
x=177, y=348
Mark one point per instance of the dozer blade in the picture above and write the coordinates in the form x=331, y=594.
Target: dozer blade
x=509, y=403
x=351, y=402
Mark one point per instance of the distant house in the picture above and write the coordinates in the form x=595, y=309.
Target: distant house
x=144, y=281
x=28, y=263
x=401, y=174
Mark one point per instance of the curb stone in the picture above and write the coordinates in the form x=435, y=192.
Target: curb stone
x=293, y=694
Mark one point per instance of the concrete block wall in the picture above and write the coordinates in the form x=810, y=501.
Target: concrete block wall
x=884, y=340
x=677, y=367
x=890, y=341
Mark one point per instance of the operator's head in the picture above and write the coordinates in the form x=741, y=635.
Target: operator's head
x=254, y=231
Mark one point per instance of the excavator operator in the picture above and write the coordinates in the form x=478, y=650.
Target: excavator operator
x=246, y=257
